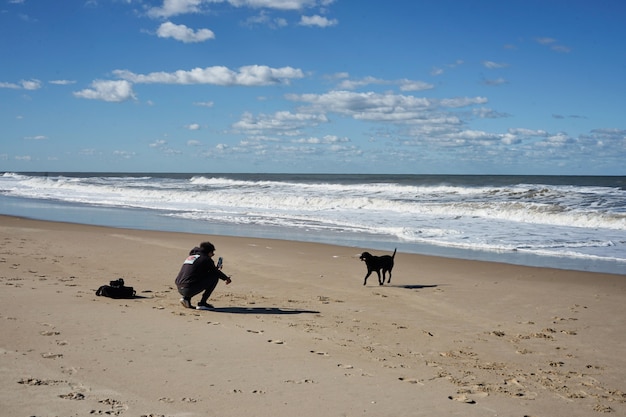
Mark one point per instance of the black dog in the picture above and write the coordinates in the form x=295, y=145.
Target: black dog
x=378, y=263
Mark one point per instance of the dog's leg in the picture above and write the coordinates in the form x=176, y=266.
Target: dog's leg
x=369, y=272
x=381, y=282
x=389, y=278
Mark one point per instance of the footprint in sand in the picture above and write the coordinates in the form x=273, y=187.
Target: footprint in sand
x=50, y=355
x=73, y=396
x=166, y=400
x=37, y=381
x=255, y=331
x=462, y=398
x=188, y=400
x=276, y=341
x=411, y=380
x=319, y=353
x=345, y=366
x=301, y=381
x=117, y=407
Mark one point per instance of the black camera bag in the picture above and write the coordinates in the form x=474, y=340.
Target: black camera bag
x=116, y=289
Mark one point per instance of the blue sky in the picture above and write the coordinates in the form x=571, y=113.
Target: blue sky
x=424, y=87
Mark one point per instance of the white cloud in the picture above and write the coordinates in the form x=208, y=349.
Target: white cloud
x=615, y=133
x=405, y=84
x=172, y=152
x=9, y=85
x=527, y=132
x=158, y=143
x=252, y=75
x=436, y=71
x=274, y=4
x=175, y=7
x=193, y=126
x=317, y=20
x=328, y=139
x=31, y=84
x=23, y=84
x=264, y=19
x=348, y=84
x=282, y=122
x=410, y=85
x=38, y=137
x=552, y=44
x=204, y=103
x=494, y=65
x=545, y=41
x=557, y=140
x=112, y=91
x=183, y=33
x=477, y=135
x=385, y=107
x=366, y=106
x=462, y=101
x=487, y=113
x=62, y=82
x=124, y=154
x=178, y=7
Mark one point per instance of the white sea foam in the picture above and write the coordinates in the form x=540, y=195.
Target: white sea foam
x=557, y=220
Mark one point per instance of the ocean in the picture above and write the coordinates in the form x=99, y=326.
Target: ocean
x=566, y=222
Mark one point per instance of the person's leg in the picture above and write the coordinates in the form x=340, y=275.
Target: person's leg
x=208, y=290
x=187, y=293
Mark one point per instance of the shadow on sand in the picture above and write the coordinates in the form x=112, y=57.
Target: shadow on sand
x=261, y=310
x=413, y=286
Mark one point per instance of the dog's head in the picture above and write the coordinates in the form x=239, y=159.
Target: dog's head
x=365, y=256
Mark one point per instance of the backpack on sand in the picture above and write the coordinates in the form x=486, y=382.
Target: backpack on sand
x=116, y=289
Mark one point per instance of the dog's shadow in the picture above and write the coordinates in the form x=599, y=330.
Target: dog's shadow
x=413, y=286
x=262, y=310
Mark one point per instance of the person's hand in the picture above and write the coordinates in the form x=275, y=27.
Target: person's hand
x=228, y=280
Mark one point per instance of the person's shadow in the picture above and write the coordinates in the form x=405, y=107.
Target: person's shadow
x=261, y=310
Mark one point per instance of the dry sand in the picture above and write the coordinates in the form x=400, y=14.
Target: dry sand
x=297, y=333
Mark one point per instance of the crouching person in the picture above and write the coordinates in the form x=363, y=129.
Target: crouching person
x=199, y=274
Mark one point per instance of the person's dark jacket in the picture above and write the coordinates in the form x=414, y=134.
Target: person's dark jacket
x=197, y=268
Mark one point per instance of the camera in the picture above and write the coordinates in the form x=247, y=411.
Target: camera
x=118, y=283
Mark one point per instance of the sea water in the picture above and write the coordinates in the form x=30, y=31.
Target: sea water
x=562, y=222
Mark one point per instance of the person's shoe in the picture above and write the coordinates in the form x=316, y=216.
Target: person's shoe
x=186, y=303
x=204, y=306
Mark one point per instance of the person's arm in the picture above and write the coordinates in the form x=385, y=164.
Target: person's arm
x=215, y=270
x=223, y=276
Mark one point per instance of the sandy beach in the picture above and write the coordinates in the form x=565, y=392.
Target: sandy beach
x=297, y=333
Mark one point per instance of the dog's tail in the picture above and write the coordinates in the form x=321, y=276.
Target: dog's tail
x=394, y=253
